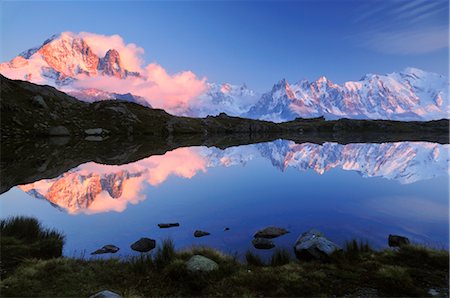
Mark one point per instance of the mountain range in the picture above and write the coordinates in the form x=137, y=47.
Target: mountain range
x=78, y=189
x=66, y=59
x=412, y=94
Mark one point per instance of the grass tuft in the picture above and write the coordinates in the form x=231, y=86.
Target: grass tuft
x=24, y=238
x=253, y=259
x=27, y=229
x=165, y=254
x=141, y=264
x=355, y=249
x=280, y=257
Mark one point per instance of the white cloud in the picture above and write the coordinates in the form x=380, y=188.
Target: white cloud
x=410, y=41
x=403, y=27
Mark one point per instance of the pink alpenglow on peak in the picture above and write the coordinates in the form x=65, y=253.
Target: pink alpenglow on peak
x=74, y=62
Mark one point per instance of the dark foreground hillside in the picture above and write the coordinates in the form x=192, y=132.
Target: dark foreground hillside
x=32, y=266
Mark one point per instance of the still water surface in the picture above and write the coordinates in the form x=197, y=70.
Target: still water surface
x=364, y=191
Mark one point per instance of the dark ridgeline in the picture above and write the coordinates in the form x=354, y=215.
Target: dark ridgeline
x=29, y=110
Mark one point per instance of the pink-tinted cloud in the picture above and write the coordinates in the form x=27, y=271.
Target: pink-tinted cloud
x=130, y=54
x=172, y=92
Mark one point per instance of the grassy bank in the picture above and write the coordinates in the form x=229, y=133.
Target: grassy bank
x=355, y=271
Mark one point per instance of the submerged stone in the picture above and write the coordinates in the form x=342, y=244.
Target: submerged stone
x=263, y=243
x=396, y=241
x=168, y=225
x=271, y=232
x=200, y=233
x=109, y=248
x=143, y=245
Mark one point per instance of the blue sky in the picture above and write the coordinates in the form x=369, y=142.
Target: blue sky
x=257, y=42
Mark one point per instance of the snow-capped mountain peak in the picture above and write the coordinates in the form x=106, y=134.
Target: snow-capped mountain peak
x=62, y=59
x=412, y=94
x=66, y=58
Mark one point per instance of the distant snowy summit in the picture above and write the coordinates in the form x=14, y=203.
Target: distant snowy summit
x=412, y=94
x=67, y=60
x=234, y=100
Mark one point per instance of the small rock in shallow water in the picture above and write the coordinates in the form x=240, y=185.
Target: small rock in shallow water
x=109, y=248
x=199, y=233
x=105, y=294
x=168, y=225
x=313, y=245
x=397, y=241
x=270, y=232
x=143, y=245
x=263, y=243
x=198, y=263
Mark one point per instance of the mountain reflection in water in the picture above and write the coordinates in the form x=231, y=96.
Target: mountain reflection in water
x=352, y=190
x=95, y=188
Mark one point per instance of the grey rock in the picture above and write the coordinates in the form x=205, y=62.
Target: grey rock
x=270, y=232
x=143, y=245
x=105, y=294
x=39, y=101
x=58, y=131
x=263, y=243
x=198, y=263
x=54, y=116
x=433, y=292
x=168, y=225
x=96, y=131
x=397, y=241
x=94, y=138
x=313, y=245
x=17, y=121
x=59, y=141
x=199, y=233
x=109, y=248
